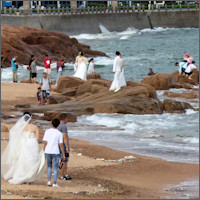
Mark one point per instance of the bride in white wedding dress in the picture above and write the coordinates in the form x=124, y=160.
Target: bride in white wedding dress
x=81, y=64
x=21, y=162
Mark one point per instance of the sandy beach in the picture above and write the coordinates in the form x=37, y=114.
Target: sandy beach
x=97, y=172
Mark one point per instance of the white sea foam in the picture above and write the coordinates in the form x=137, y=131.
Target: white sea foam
x=193, y=140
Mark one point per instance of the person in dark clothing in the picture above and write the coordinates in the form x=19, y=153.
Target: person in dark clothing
x=31, y=60
x=150, y=73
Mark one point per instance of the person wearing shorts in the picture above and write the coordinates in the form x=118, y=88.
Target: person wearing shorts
x=47, y=65
x=45, y=85
x=63, y=129
x=33, y=71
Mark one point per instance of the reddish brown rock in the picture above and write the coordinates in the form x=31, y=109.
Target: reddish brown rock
x=66, y=82
x=38, y=117
x=192, y=94
x=53, y=115
x=24, y=41
x=160, y=81
x=172, y=106
x=56, y=99
x=94, y=76
x=25, y=81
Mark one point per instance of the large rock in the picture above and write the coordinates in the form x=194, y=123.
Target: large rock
x=94, y=76
x=53, y=115
x=191, y=94
x=172, y=106
x=160, y=81
x=66, y=82
x=24, y=41
x=194, y=79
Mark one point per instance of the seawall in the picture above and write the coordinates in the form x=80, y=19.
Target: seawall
x=89, y=23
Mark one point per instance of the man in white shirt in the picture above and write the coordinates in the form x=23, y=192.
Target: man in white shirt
x=116, y=71
x=189, y=69
x=52, y=139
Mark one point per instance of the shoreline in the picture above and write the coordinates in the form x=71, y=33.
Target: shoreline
x=136, y=177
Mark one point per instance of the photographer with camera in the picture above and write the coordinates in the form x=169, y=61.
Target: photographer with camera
x=63, y=164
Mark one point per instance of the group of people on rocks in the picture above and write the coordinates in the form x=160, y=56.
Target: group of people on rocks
x=23, y=163
x=186, y=66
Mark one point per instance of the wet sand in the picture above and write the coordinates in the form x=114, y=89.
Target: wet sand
x=96, y=171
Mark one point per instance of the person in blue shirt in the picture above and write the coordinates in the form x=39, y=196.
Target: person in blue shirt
x=14, y=69
x=182, y=66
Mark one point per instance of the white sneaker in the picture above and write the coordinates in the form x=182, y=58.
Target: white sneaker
x=49, y=183
x=55, y=186
x=117, y=90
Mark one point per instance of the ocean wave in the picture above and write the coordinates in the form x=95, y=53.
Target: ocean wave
x=193, y=140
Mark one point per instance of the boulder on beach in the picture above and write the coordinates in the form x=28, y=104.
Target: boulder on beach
x=172, y=106
x=174, y=80
x=93, y=96
x=24, y=42
x=191, y=94
x=53, y=115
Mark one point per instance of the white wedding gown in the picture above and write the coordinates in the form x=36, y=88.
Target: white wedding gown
x=122, y=82
x=81, y=71
x=21, y=162
x=119, y=81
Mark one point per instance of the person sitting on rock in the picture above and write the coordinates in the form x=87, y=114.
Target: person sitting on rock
x=150, y=73
x=189, y=69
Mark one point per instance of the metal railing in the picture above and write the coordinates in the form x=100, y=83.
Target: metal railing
x=97, y=9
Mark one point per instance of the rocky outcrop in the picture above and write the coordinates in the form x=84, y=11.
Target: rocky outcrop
x=172, y=106
x=94, y=76
x=24, y=42
x=174, y=80
x=53, y=115
x=191, y=94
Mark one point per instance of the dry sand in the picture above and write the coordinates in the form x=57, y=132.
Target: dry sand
x=94, y=178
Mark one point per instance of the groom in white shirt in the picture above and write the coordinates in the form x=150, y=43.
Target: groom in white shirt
x=116, y=71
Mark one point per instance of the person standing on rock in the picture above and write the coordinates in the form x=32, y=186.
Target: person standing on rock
x=14, y=65
x=76, y=61
x=45, y=85
x=122, y=81
x=115, y=86
x=31, y=60
x=60, y=66
x=82, y=68
x=63, y=129
x=47, y=65
x=91, y=66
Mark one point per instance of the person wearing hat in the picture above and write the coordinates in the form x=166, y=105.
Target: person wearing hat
x=60, y=66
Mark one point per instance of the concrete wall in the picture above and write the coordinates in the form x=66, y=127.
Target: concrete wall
x=89, y=23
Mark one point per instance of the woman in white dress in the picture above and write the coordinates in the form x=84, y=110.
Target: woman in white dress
x=21, y=162
x=91, y=66
x=81, y=71
x=122, y=82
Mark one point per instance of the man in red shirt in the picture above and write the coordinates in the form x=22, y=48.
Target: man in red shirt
x=47, y=65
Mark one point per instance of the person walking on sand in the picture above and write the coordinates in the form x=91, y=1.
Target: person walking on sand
x=115, y=86
x=63, y=129
x=47, y=65
x=91, y=66
x=52, y=140
x=45, y=85
x=60, y=66
x=33, y=71
x=14, y=65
